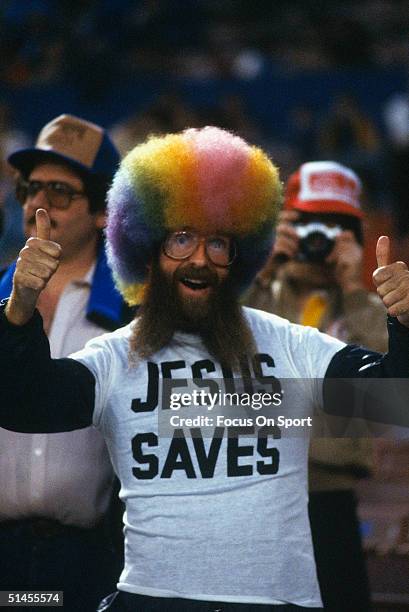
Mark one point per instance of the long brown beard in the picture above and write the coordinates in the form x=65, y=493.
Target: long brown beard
x=219, y=320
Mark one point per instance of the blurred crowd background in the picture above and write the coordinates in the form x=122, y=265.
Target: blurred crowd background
x=310, y=79
x=306, y=80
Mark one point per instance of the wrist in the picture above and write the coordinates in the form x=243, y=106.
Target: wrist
x=15, y=314
x=34, y=321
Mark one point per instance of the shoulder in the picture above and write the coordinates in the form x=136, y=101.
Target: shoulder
x=267, y=327
x=111, y=345
x=264, y=322
x=115, y=338
x=306, y=348
x=106, y=356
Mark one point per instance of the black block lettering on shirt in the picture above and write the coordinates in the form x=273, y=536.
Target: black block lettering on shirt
x=178, y=457
x=170, y=384
x=168, y=366
x=258, y=360
x=152, y=393
x=150, y=439
x=207, y=462
x=208, y=366
x=230, y=387
x=246, y=374
x=265, y=451
x=234, y=451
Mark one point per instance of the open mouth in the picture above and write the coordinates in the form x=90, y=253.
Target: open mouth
x=195, y=284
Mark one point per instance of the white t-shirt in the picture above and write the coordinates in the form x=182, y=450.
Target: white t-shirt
x=239, y=535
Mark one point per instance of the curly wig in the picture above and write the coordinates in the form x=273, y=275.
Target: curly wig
x=207, y=179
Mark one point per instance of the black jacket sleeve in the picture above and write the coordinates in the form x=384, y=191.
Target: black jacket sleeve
x=369, y=385
x=39, y=394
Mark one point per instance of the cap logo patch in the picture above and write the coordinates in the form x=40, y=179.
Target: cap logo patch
x=80, y=140
x=67, y=134
x=333, y=185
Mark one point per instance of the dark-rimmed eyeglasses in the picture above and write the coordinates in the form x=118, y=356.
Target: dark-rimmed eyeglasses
x=220, y=249
x=58, y=193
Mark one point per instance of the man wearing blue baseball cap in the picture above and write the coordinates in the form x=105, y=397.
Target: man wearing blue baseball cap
x=57, y=488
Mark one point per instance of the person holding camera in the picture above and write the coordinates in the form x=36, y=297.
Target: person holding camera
x=314, y=273
x=314, y=277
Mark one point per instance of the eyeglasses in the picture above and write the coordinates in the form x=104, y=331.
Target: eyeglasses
x=58, y=194
x=220, y=249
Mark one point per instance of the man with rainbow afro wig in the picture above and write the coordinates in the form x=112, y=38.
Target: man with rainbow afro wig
x=215, y=184
x=216, y=502
x=207, y=179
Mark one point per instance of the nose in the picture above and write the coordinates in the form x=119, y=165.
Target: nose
x=199, y=255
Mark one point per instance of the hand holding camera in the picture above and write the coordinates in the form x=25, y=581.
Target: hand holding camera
x=316, y=242
x=310, y=242
x=285, y=246
x=286, y=239
x=346, y=257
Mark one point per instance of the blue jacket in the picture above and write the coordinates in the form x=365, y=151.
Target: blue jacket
x=105, y=305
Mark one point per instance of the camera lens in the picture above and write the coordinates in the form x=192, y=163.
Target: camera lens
x=316, y=241
x=315, y=247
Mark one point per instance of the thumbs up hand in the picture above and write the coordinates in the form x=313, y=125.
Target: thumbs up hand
x=37, y=262
x=392, y=282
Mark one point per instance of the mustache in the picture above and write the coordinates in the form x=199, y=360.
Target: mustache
x=201, y=274
x=32, y=221
x=218, y=321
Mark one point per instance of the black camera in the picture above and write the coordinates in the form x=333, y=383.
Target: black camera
x=316, y=241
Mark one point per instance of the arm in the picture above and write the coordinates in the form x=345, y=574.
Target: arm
x=373, y=386
x=39, y=394
x=364, y=392
x=368, y=385
x=357, y=362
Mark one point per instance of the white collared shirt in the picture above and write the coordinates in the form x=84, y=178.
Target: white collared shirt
x=63, y=476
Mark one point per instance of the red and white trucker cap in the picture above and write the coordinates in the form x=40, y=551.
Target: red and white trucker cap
x=324, y=187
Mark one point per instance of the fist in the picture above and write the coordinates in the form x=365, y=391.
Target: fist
x=37, y=262
x=392, y=282
x=39, y=258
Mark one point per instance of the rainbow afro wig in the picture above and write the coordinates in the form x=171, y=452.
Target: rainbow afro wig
x=206, y=179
